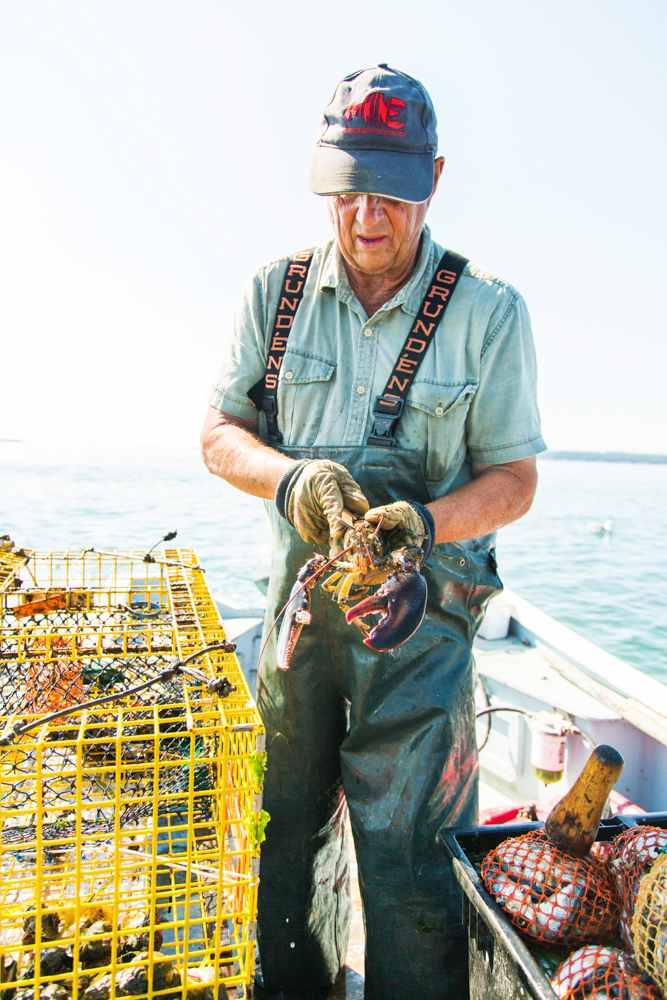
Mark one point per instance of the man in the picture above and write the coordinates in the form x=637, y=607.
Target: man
x=404, y=381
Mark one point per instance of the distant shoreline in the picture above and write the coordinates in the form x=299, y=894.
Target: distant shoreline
x=603, y=456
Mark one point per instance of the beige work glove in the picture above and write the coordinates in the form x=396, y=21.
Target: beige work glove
x=313, y=495
x=410, y=523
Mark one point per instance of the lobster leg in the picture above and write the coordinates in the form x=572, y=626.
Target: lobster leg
x=297, y=610
x=401, y=600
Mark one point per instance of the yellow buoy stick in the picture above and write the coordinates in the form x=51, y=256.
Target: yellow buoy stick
x=573, y=823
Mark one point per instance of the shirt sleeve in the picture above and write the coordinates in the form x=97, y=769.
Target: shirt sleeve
x=244, y=359
x=503, y=423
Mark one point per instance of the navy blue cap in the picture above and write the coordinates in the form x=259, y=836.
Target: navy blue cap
x=378, y=135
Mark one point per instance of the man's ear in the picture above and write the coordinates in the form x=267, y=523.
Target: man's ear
x=437, y=171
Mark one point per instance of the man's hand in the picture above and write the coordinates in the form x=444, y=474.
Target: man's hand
x=312, y=496
x=411, y=524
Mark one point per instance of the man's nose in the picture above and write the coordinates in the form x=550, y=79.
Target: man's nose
x=369, y=209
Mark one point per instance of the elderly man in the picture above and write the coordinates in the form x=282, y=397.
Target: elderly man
x=376, y=370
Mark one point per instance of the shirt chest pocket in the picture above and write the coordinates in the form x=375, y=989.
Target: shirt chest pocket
x=434, y=419
x=304, y=385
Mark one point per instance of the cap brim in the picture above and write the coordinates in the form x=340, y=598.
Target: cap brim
x=403, y=176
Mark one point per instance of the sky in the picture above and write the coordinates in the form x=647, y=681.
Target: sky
x=155, y=152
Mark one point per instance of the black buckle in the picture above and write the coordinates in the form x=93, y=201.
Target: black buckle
x=387, y=441
x=386, y=411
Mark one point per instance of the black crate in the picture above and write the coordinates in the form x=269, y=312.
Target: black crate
x=647, y=819
x=502, y=966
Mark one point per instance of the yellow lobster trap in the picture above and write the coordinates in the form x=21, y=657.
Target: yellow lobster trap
x=131, y=769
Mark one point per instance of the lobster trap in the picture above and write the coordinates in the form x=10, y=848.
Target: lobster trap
x=131, y=770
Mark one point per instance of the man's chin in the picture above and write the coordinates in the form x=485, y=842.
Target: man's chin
x=373, y=261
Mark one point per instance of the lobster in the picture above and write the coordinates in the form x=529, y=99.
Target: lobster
x=367, y=560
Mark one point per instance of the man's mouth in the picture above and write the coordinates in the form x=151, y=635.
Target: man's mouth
x=369, y=242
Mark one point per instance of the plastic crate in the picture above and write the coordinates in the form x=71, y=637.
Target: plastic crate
x=129, y=830
x=502, y=965
x=647, y=819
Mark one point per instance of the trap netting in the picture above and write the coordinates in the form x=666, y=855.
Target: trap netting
x=649, y=923
x=551, y=897
x=594, y=972
x=131, y=767
x=631, y=855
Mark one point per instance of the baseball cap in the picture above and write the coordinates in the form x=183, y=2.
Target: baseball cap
x=377, y=136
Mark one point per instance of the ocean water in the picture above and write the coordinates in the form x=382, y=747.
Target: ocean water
x=610, y=588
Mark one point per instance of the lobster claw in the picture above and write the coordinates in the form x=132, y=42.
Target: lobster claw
x=297, y=610
x=401, y=600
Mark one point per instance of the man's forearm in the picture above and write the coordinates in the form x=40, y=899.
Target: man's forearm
x=494, y=497
x=232, y=450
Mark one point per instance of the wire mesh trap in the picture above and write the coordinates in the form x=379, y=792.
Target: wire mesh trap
x=131, y=768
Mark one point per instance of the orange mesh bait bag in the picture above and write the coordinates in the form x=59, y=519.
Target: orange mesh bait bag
x=596, y=972
x=649, y=923
x=549, y=896
x=631, y=855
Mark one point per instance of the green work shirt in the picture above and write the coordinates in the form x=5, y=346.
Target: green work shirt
x=473, y=398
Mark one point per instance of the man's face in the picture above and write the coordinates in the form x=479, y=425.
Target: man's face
x=379, y=236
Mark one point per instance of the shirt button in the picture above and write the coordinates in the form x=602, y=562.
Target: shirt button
x=289, y=374
x=368, y=333
x=361, y=390
x=439, y=411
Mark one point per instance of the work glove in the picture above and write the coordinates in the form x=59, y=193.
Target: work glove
x=312, y=496
x=409, y=522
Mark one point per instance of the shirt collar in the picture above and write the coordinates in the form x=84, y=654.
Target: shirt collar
x=334, y=277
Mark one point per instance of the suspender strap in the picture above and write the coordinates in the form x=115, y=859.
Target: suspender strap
x=264, y=393
x=389, y=406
